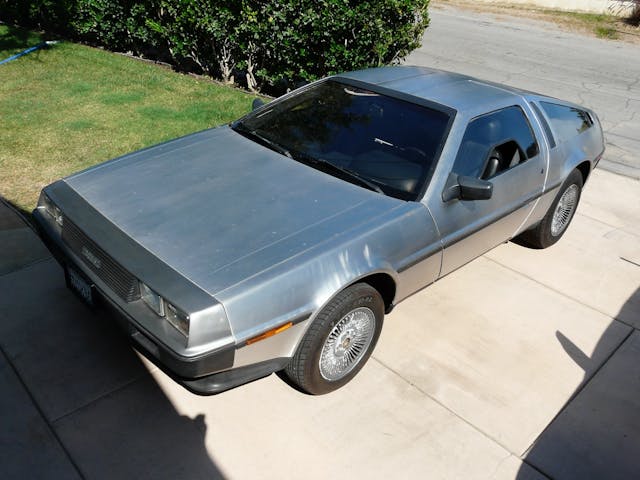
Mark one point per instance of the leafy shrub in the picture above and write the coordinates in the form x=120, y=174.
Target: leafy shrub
x=306, y=39
x=118, y=26
x=266, y=42
x=41, y=14
x=202, y=31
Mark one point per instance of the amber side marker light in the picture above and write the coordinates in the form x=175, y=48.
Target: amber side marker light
x=270, y=333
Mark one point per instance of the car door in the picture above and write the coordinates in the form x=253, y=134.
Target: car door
x=501, y=148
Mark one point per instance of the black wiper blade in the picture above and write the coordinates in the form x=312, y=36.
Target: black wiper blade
x=367, y=183
x=267, y=142
x=350, y=173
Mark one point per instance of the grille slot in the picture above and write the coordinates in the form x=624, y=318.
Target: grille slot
x=99, y=262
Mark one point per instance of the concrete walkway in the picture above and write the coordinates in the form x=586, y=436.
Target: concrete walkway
x=522, y=364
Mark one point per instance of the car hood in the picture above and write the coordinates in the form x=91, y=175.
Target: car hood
x=219, y=208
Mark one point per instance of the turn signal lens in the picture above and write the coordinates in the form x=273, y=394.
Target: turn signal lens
x=178, y=319
x=270, y=333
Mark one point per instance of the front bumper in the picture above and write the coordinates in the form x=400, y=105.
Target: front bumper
x=208, y=373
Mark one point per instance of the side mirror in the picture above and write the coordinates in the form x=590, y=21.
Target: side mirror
x=257, y=103
x=466, y=188
x=472, y=188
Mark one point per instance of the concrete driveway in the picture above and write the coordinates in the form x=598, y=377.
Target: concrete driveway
x=523, y=364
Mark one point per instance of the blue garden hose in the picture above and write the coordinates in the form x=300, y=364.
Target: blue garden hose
x=29, y=50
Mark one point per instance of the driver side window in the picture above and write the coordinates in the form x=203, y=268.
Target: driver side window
x=494, y=143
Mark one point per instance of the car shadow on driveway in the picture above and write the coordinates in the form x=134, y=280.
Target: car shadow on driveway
x=597, y=432
x=104, y=414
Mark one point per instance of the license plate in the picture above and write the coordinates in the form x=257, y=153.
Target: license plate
x=79, y=285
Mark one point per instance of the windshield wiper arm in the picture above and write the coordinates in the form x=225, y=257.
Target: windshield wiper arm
x=254, y=135
x=267, y=142
x=350, y=173
x=367, y=183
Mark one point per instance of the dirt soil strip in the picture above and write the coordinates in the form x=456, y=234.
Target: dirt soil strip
x=596, y=25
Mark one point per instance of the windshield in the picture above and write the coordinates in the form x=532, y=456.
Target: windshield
x=360, y=135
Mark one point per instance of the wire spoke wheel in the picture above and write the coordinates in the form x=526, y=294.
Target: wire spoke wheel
x=339, y=341
x=346, y=343
x=559, y=215
x=564, y=210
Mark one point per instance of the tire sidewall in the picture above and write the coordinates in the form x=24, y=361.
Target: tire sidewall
x=574, y=178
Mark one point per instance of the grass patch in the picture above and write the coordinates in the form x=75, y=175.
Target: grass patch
x=589, y=18
x=604, y=26
x=69, y=106
x=606, y=32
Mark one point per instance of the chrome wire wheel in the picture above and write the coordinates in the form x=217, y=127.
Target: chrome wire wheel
x=347, y=343
x=565, y=209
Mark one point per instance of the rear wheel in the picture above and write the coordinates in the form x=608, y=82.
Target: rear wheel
x=339, y=342
x=559, y=216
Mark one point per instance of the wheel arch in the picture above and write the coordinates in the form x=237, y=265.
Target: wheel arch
x=384, y=283
x=585, y=169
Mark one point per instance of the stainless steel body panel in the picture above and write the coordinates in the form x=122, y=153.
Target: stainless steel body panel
x=330, y=235
x=470, y=228
x=587, y=146
x=245, y=240
x=219, y=207
x=211, y=328
x=402, y=238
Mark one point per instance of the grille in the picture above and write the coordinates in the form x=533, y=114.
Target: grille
x=106, y=268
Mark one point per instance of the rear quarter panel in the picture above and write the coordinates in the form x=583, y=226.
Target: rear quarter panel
x=567, y=156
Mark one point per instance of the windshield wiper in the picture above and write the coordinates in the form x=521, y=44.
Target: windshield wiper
x=254, y=135
x=345, y=171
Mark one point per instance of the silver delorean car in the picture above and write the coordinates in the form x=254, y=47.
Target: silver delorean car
x=279, y=242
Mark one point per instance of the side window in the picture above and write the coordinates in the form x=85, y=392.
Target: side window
x=495, y=142
x=545, y=125
x=567, y=122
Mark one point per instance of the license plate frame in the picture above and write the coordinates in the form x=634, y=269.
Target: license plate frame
x=79, y=285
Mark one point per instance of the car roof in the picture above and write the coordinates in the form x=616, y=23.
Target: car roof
x=454, y=90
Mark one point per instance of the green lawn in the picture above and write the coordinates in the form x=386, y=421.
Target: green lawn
x=69, y=106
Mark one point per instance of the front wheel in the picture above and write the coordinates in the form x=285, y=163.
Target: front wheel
x=559, y=216
x=339, y=342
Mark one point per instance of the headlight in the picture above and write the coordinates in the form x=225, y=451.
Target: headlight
x=51, y=208
x=152, y=299
x=162, y=308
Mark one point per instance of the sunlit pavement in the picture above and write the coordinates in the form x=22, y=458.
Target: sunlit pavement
x=540, y=57
x=522, y=364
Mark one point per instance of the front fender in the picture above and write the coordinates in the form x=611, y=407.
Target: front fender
x=293, y=290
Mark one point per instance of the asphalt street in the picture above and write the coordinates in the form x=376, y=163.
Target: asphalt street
x=541, y=57
x=521, y=365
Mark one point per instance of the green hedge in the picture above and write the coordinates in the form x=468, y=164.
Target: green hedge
x=262, y=43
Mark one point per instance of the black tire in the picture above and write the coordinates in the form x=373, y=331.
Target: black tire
x=544, y=234
x=305, y=370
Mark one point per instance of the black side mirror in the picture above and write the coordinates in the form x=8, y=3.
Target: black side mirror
x=466, y=188
x=472, y=188
x=257, y=103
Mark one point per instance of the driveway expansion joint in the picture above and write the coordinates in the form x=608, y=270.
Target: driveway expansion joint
x=96, y=399
x=26, y=265
x=36, y=405
x=568, y=297
x=447, y=408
